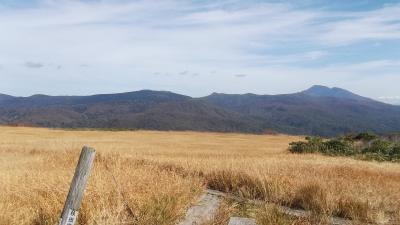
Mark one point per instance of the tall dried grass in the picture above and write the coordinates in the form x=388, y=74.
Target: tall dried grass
x=159, y=174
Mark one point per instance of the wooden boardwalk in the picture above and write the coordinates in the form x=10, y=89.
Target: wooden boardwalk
x=207, y=207
x=204, y=209
x=241, y=221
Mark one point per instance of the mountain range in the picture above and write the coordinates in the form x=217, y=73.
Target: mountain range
x=318, y=110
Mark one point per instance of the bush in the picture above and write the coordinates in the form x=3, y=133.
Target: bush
x=395, y=150
x=338, y=147
x=380, y=147
x=376, y=148
x=395, y=153
x=299, y=147
x=313, y=144
x=365, y=136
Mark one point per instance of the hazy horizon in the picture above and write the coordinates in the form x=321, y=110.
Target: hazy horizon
x=61, y=47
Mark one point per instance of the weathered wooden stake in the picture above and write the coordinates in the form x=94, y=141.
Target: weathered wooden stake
x=78, y=184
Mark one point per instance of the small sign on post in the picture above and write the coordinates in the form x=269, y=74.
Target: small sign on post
x=77, y=188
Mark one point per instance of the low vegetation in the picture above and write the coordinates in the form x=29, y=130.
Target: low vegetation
x=264, y=214
x=159, y=174
x=363, y=145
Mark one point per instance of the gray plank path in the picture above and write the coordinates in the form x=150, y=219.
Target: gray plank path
x=241, y=221
x=286, y=210
x=208, y=203
x=205, y=209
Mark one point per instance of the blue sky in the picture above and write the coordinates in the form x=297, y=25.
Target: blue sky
x=62, y=47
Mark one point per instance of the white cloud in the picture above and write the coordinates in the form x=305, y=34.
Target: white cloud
x=34, y=65
x=130, y=45
x=390, y=97
x=380, y=24
x=240, y=75
x=313, y=55
x=395, y=100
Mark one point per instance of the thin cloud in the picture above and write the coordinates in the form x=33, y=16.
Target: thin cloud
x=380, y=24
x=315, y=55
x=34, y=65
x=124, y=42
x=240, y=75
x=395, y=100
x=183, y=73
x=390, y=97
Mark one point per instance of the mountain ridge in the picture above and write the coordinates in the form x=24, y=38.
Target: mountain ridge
x=318, y=110
x=315, y=91
x=323, y=91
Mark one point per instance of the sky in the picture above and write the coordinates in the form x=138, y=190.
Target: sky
x=71, y=47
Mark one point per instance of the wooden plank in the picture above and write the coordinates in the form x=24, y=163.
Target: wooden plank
x=299, y=213
x=241, y=221
x=204, y=210
x=77, y=188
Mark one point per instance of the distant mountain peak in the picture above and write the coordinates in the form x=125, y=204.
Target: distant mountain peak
x=324, y=91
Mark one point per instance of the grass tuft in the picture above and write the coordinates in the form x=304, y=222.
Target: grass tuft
x=271, y=215
x=352, y=209
x=312, y=197
x=240, y=184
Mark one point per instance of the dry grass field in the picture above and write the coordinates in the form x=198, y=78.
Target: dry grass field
x=159, y=174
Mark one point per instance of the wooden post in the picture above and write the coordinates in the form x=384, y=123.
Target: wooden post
x=78, y=184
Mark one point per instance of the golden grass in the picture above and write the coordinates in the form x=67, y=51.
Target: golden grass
x=160, y=173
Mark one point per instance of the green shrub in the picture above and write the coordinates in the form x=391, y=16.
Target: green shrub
x=338, y=147
x=365, y=136
x=313, y=144
x=379, y=147
x=298, y=147
x=374, y=147
x=395, y=150
x=395, y=153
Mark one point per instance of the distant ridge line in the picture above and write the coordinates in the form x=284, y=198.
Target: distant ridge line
x=318, y=110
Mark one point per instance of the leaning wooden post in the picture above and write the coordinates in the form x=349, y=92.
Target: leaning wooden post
x=78, y=184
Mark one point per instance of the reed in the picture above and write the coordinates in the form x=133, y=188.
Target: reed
x=159, y=174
